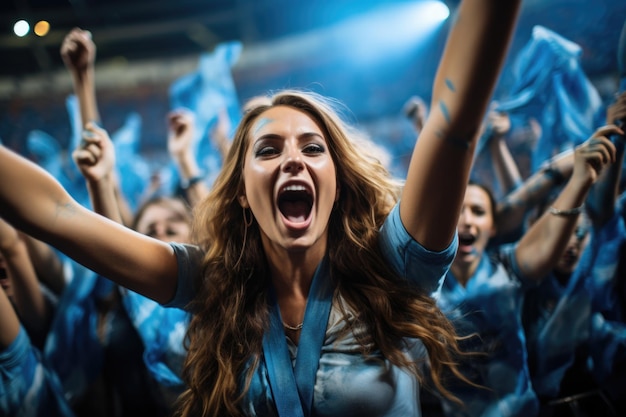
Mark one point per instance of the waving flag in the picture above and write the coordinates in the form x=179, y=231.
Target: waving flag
x=207, y=92
x=551, y=86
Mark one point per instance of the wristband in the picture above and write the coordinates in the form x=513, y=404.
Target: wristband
x=566, y=213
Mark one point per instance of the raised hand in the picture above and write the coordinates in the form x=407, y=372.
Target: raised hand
x=78, y=50
x=181, y=129
x=95, y=156
x=180, y=141
x=595, y=153
x=499, y=122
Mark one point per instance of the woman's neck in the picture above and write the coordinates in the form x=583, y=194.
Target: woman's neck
x=292, y=270
x=292, y=276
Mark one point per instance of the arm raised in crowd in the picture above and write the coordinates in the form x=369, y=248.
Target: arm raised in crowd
x=506, y=169
x=601, y=200
x=35, y=202
x=468, y=71
x=514, y=207
x=545, y=241
x=180, y=140
x=78, y=51
x=95, y=159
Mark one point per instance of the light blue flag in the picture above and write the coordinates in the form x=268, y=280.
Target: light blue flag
x=72, y=347
x=77, y=179
x=207, y=92
x=133, y=169
x=551, y=86
x=28, y=386
x=47, y=152
x=73, y=110
x=162, y=330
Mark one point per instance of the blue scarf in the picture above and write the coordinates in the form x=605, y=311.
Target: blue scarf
x=292, y=387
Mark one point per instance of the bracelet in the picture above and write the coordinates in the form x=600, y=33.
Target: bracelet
x=187, y=183
x=566, y=213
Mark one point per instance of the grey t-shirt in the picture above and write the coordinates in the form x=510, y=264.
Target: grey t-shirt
x=347, y=383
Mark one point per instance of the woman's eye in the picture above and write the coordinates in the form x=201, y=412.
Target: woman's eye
x=479, y=212
x=313, y=148
x=266, y=151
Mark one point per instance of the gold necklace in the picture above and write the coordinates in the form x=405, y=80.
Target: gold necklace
x=293, y=328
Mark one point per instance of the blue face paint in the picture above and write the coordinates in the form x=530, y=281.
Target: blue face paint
x=450, y=85
x=456, y=142
x=261, y=123
x=444, y=110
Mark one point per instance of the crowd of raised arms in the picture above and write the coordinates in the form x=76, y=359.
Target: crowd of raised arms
x=307, y=280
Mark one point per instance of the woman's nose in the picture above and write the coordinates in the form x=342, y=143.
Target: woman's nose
x=293, y=161
x=160, y=232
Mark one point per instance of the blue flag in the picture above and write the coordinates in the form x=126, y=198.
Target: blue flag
x=551, y=86
x=207, y=92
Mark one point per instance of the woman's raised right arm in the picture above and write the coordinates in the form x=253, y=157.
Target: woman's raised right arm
x=33, y=201
x=464, y=83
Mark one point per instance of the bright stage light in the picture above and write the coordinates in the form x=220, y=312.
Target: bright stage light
x=41, y=28
x=383, y=33
x=437, y=10
x=394, y=29
x=21, y=28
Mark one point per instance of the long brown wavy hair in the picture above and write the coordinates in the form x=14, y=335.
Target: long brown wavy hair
x=230, y=310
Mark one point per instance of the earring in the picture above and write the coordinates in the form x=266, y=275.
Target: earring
x=247, y=223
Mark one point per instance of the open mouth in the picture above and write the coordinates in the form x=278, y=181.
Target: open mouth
x=295, y=203
x=466, y=239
